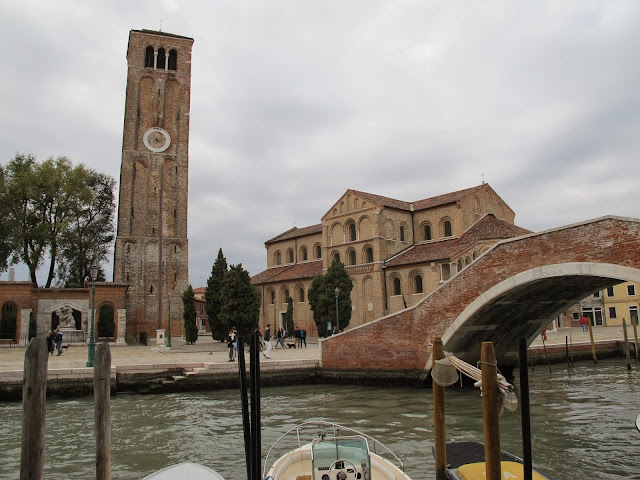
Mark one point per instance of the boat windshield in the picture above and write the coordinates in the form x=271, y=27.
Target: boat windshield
x=353, y=450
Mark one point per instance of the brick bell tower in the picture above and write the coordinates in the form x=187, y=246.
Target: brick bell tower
x=151, y=251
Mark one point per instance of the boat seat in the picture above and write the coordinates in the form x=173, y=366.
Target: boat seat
x=303, y=477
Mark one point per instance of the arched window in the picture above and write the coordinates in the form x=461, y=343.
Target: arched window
x=352, y=257
x=286, y=295
x=397, y=290
x=352, y=232
x=290, y=255
x=161, y=59
x=336, y=257
x=173, y=60
x=278, y=258
x=318, y=251
x=447, y=228
x=273, y=297
x=460, y=265
x=427, y=232
x=402, y=233
x=301, y=295
x=417, y=284
x=148, y=57
x=369, y=253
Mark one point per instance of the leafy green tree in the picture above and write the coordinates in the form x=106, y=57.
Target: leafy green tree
x=322, y=298
x=90, y=231
x=44, y=206
x=213, y=300
x=288, y=317
x=189, y=315
x=240, y=302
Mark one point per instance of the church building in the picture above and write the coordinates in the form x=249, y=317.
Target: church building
x=396, y=252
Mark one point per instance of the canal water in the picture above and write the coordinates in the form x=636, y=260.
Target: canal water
x=582, y=425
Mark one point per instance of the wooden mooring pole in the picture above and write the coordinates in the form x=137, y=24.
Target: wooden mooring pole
x=102, y=400
x=491, y=412
x=439, y=428
x=34, y=404
x=635, y=334
x=593, y=345
x=626, y=343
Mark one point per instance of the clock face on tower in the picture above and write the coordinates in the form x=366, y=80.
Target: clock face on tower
x=156, y=139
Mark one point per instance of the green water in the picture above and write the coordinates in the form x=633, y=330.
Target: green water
x=582, y=425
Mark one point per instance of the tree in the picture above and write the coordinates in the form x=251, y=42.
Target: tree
x=213, y=300
x=240, y=301
x=90, y=231
x=322, y=298
x=189, y=315
x=45, y=206
x=288, y=317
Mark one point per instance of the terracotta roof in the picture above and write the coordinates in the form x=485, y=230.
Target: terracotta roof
x=296, y=232
x=384, y=201
x=199, y=290
x=451, y=197
x=487, y=228
x=288, y=272
x=424, y=204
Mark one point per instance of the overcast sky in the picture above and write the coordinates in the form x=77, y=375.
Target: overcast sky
x=293, y=102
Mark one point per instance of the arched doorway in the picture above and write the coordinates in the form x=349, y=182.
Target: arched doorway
x=9, y=321
x=106, y=323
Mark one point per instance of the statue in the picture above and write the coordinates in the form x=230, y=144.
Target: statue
x=65, y=315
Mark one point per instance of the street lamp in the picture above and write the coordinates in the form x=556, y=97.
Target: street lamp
x=337, y=290
x=169, y=322
x=92, y=343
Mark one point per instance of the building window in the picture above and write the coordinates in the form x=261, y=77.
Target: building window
x=597, y=294
x=369, y=255
x=286, y=296
x=610, y=292
x=301, y=298
x=304, y=254
x=631, y=290
x=402, y=233
x=397, y=290
x=273, y=297
x=290, y=256
x=278, y=258
x=148, y=57
x=447, y=229
x=173, y=60
x=418, y=284
x=612, y=312
x=352, y=232
x=318, y=251
x=427, y=232
x=633, y=314
x=352, y=257
x=161, y=59
x=336, y=257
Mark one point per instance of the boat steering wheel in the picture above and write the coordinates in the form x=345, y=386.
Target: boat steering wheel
x=343, y=470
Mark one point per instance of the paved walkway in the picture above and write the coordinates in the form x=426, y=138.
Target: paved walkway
x=205, y=350
x=208, y=351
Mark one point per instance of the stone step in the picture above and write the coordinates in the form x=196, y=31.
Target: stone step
x=190, y=373
x=167, y=382
x=178, y=377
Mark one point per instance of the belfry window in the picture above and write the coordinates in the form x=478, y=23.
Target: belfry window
x=162, y=58
x=173, y=60
x=148, y=57
x=397, y=290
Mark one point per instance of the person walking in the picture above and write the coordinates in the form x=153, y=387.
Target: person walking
x=59, y=335
x=51, y=340
x=279, y=339
x=303, y=338
x=267, y=341
x=230, y=340
x=583, y=323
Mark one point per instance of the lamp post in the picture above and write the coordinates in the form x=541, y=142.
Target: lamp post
x=169, y=322
x=92, y=343
x=337, y=290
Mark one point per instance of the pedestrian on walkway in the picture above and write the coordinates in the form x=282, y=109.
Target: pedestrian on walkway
x=303, y=338
x=59, y=341
x=279, y=339
x=583, y=323
x=230, y=340
x=267, y=341
x=51, y=340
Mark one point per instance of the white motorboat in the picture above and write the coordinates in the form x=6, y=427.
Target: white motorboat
x=186, y=471
x=332, y=452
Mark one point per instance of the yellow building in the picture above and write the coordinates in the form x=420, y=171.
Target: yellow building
x=621, y=302
x=396, y=252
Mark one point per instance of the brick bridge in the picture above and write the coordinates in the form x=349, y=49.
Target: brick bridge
x=513, y=290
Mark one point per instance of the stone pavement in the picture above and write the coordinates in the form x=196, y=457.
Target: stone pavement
x=205, y=350
x=208, y=351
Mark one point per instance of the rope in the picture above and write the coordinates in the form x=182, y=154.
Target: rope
x=475, y=373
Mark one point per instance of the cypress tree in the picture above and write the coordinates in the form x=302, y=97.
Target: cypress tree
x=213, y=300
x=189, y=315
x=240, y=302
x=289, y=317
